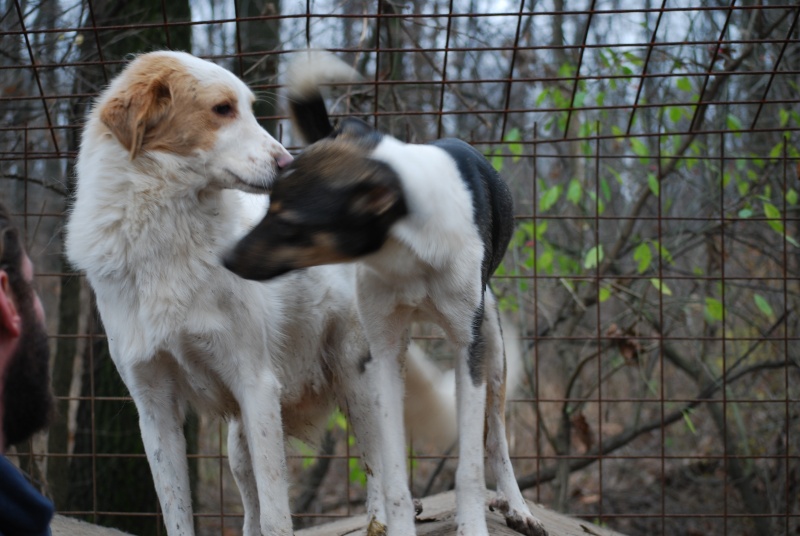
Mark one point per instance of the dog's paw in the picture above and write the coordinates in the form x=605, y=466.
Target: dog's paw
x=376, y=528
x=417, y=507
x=521, y=521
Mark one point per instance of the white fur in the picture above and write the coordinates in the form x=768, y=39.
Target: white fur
x=311, y=67
x=149, y=231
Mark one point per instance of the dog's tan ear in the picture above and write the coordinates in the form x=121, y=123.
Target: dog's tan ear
x=138, y=108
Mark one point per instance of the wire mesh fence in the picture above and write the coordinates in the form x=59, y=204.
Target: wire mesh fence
x=652, y=149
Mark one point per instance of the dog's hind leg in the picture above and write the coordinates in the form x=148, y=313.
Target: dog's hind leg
x=471, y=403
x=242, y=469
x=509, y=500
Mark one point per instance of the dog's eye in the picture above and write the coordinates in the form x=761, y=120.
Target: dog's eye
x=225, y=109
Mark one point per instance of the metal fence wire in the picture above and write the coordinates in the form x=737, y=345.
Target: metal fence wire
x=652, y=149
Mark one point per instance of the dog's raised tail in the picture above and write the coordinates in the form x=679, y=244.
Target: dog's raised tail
x=307, y=71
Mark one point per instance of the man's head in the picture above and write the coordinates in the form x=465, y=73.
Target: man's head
x=27, y=400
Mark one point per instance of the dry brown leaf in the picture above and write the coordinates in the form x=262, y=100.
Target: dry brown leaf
x=581, y=426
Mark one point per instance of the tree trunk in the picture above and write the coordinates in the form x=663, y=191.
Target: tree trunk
x=257, y=66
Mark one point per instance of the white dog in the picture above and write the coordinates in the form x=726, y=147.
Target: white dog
x=154, y=212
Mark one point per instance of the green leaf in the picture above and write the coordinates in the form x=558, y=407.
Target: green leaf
x=566, y=70
x=684, y=84
x=763, y=305
x=580, y=98
x=777, y=150
x=714, y=309
x=593, y=257
x=726, y=178
x=661, y=286
x=653, y=183
x=616, y=174
x=357, y=474
x=774, y=215
x=644, y=256
x=542, y=97
x=338, y=419
x=639, y=148
x=633, y=58
x=675, y=113
x=743, y=187
x=601, y=206
x=530, y=257
x=497, y=162
x=545, y=260
x=666, y=256
x=574, y=191
x=512, y=137
x=603, y=294
x=791, y=196
x=687, y=418
x=771, y=211
x=605, y=189
x=539, y=228
x=733, y=122
x=550, y=197
x=784, y=117
x=746, y=213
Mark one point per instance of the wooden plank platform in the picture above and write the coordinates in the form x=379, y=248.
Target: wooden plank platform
x=67, y=526
x=438, y=519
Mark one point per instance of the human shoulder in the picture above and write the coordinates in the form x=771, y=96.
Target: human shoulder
x=23, y=510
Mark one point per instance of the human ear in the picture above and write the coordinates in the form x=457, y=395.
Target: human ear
x=10, y=320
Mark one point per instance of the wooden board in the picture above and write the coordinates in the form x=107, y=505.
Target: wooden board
x=67, y=526
x=438, y=519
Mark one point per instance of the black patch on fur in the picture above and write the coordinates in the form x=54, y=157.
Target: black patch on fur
x=477, y=348
x=310, y=117
x=359, y=131
x=493, y=207
x=320, y=190
x=363, y=362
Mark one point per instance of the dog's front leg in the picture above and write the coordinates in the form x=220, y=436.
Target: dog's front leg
x=388, y=402
x=261, y=417
x=161, y=424
x=388, y=340
x=357, y=396
x=242, y=468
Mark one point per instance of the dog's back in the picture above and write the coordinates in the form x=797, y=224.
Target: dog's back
x=493, y=207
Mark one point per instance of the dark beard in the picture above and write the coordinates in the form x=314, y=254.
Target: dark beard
x=28, y=401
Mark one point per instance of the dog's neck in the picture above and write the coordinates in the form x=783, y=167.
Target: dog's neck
x=136, y=203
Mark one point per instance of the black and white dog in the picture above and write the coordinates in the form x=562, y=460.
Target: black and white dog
x=428, y=224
